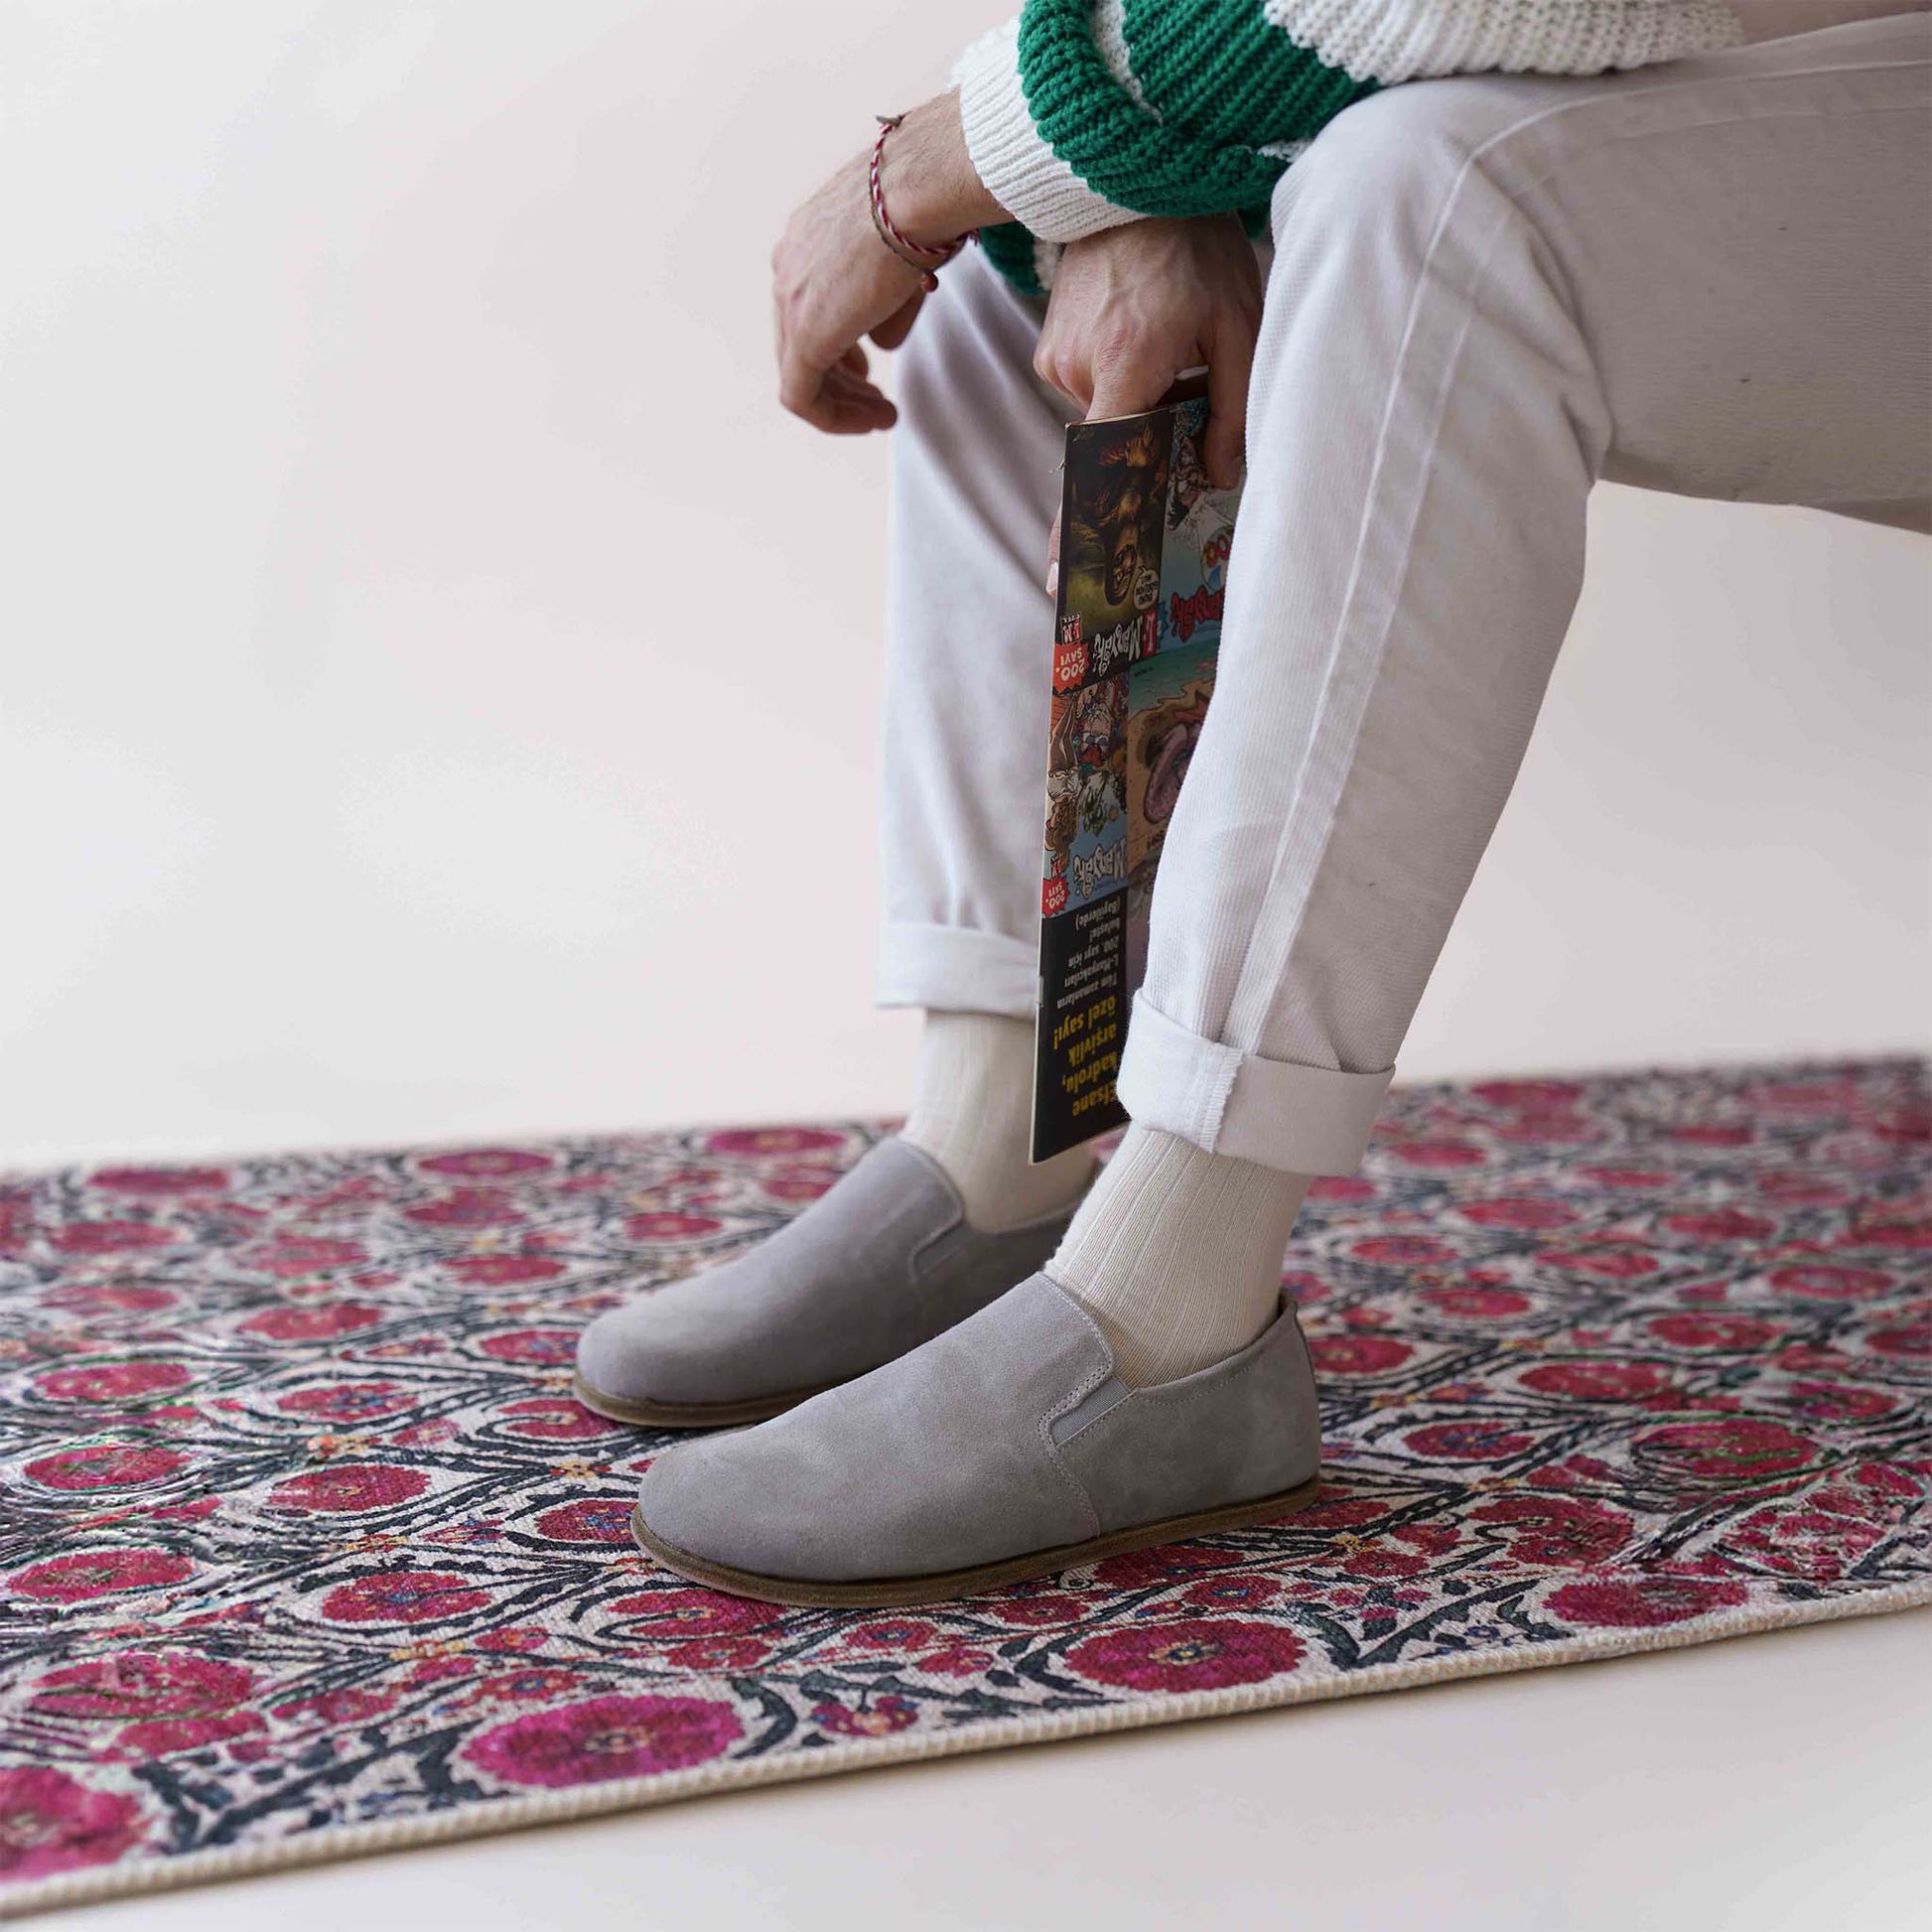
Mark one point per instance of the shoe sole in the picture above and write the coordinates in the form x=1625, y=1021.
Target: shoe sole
x=902, y=1593
x=688, y=1415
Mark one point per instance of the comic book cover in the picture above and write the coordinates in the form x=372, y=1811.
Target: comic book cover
x=1144, y=549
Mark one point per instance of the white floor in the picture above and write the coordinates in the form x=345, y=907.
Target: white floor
x=1780, y=1781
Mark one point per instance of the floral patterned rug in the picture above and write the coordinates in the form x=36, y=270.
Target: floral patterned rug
x=306, y=1550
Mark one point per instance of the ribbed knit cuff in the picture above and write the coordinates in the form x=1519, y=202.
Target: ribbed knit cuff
x=1020, y=171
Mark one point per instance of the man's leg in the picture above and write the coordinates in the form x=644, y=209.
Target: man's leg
x=975, y=483
x=1486, y=292
x=930, y=1228
x=976, y=474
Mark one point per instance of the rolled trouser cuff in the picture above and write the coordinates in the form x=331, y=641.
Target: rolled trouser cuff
x=956, y=969
x=1274, y=1113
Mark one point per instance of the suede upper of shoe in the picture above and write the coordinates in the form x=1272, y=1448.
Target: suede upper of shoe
x=1006, y=1435
x=870, y=1270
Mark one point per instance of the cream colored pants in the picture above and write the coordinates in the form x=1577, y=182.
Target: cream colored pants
x=1486, y=293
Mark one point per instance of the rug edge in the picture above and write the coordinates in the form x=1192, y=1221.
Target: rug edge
x=334, y=1842
x=17, y=1169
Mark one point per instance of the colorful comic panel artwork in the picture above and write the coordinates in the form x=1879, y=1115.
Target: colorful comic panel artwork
x=1086, y=795
x=1199, y=537
x=1113, y=524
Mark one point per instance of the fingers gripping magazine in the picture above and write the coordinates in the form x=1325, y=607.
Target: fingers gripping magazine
x=1144, y=549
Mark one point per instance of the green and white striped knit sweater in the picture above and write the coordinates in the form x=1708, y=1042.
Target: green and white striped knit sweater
x=1084, y=113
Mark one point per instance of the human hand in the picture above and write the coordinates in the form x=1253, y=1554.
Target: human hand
x=835, y=282
x=1133, y=307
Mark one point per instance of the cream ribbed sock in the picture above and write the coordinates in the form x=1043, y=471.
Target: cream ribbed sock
x=972, y=1111
x=1177, y=1254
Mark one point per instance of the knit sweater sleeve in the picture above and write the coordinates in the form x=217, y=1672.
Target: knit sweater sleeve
x=1081, y=114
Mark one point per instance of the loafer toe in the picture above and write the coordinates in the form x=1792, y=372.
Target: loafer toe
x=607, y=1362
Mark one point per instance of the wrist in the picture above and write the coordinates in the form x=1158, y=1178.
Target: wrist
x=931, y=184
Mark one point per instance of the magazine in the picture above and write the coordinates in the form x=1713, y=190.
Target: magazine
x=1144, y=548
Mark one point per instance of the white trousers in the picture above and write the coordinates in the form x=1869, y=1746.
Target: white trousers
x=1486, y=292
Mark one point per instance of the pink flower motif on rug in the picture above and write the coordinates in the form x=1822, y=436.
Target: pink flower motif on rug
x=696, y=1613
x=140, y=1704
x=764, y=1142
x=404, y=1596
x=485, y=1162
x=605, y=1738
x=114, y=1382
x=1192, y=1654
x=347, y=1402
x=161, y=1180
x=73, y=1580
x=105, y=1465
x=599, y=1519
x=349, y=1489
x=1730, y=1453
x=51, y=1822
x=1643, y=1601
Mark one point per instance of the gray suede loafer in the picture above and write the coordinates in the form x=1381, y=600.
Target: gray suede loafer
x=882, y=1263
x=1005, y=1449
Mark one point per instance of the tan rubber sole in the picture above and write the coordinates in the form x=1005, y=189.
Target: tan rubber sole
x=687, y=1415
x=901, y=1592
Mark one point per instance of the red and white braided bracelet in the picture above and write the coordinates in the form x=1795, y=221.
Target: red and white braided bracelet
x=915, y=254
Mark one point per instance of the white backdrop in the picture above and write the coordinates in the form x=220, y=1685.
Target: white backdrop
x=437, y=686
